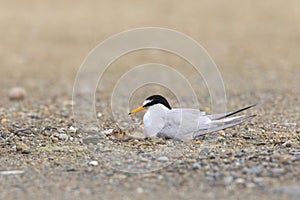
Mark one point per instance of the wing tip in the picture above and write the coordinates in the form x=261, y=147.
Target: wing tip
x=235, y=112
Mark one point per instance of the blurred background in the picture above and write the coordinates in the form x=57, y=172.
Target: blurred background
x=255, y=44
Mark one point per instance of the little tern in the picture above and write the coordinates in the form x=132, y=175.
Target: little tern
x=161, y=120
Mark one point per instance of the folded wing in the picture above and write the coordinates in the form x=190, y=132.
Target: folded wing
x=192, y=123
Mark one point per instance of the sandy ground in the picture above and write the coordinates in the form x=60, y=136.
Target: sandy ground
x=255, y=46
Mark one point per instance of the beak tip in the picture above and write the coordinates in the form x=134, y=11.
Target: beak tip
x=137, y=110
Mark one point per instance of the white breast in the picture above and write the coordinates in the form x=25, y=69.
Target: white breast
x=154, y=119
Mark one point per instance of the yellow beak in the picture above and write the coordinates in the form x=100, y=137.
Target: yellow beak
x=137, y=110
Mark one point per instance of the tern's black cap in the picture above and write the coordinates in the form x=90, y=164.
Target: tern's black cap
x=155, y=99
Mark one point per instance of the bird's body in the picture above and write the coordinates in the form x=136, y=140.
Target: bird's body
x=160, y=120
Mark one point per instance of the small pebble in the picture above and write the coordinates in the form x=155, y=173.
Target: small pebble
x=63, y=136
x=204, y=152
x=54, y=139
x=258, y=179
x=196, y=166
x=162, y=159
x=34, y=115
x=17, y=94
x=99, y=114
x=287, y=144
x=250, y=185
x=93, y=163
x=107, y=131
x=72, y=129
x=277, y=171
x=13, y=148
x=253, y=170
x=228, y=180
x=139, y=190
x=23, y=148
x=4, y=135
x=4, y=120
x=222, y=133
x=221, y=139
x=69, y=169
x=240, y=181
x=68, y=103
x=197, y=142
x=62, y=130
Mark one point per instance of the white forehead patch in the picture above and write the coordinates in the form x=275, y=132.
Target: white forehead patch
x=146, y=101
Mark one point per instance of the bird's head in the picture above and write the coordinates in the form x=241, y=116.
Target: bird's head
x=150, y=101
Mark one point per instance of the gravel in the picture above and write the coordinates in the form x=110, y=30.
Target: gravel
x=45, y=154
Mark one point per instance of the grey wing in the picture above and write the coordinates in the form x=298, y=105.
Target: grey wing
x=191, y=123
x=182, y=123
x=221, y=124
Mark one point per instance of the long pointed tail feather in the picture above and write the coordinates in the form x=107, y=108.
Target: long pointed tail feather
x=224, y=115
x=223, y=123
